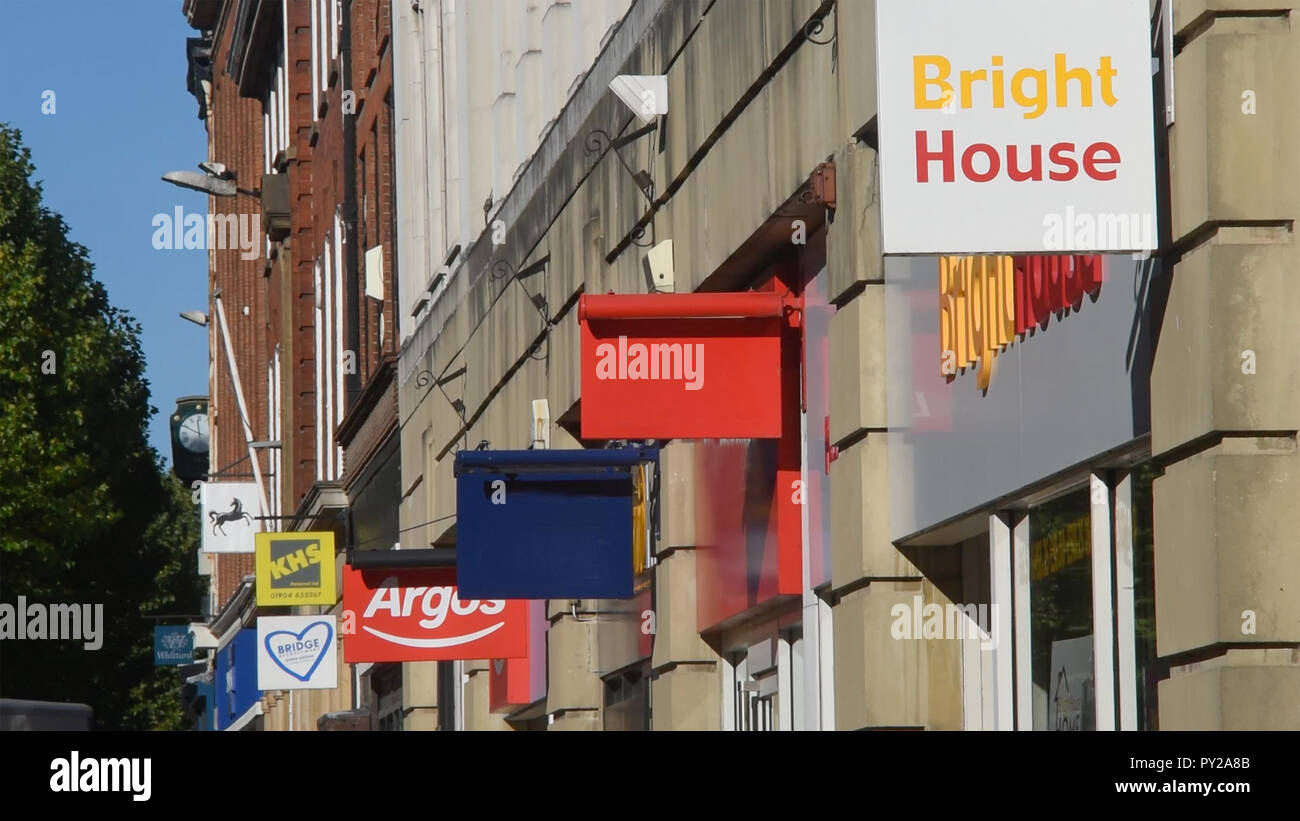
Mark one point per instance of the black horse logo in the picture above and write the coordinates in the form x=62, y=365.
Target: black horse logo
x=235, y=514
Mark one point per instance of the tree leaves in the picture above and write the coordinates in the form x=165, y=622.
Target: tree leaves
x=87, y=514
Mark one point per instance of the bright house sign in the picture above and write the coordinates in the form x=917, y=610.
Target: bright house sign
x=1015, y=126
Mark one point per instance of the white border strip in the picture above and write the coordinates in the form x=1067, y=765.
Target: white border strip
x=249, y=714
x=1103, y=625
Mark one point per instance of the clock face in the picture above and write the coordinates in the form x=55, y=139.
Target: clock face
x=194, y=433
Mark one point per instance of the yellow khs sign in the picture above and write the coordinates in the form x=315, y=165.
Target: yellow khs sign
x=295, y=568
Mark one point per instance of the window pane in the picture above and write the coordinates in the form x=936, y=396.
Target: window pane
x=1149, y=669
x=627, y=701
x=1060, y=607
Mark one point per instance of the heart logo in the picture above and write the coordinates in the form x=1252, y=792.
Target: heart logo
x=300, y=654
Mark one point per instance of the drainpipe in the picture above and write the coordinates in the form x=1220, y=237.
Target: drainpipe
x=351, y=381
x=243, y=407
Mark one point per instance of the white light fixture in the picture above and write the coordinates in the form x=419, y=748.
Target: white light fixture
x=645, y=94
x=375, y=273
x=217, y=169
x=659, y=268
x=195, y=181
x=203, y=637
x=540, y=436
x=216, y=180
x=197, y=317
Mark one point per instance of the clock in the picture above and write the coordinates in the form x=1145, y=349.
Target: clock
x=190, y=442
x=193, y=433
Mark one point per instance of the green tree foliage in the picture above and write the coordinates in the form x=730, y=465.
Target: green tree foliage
x=87, y=514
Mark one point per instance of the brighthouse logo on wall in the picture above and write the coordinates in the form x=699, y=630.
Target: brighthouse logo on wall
x=989, y=302
x=997, y=119
x=295, y=569
x=415, y=615
x=296, y=653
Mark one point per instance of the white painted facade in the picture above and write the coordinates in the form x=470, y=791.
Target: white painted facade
x=477, y=83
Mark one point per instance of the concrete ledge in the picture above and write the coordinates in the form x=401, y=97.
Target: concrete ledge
x=1234, y=697
x=1219, y=171
x=1227, y=528
x=853, y=239
x=859, y=501
x=676, y=637
x=687, y=697
x=1230, y=311
x=857, y=365
x=571, y=683
x=881, y=681
x=576, y=721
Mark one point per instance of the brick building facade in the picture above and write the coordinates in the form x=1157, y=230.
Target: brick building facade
x=297, y=103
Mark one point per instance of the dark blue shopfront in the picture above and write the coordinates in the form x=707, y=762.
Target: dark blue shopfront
x=236, y=679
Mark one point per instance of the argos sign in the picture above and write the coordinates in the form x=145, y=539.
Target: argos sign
x=415, y=615
x=1015, y=126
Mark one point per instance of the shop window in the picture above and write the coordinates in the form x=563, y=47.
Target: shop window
x=763, y=687
x=1149, y=669
x=1036, y=568
x=1060, y=594
x=753, y=698
x=386, y=681
x=627, y=699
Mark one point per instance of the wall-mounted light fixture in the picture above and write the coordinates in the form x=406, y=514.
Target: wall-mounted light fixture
x=216, y=180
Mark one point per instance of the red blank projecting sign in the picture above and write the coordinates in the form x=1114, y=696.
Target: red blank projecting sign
x=688, y=366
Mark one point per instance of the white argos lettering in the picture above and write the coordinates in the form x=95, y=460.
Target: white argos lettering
x=437, y=612
x=412, y=593
x=435, y=604
x=461, y=608
x=387, y=597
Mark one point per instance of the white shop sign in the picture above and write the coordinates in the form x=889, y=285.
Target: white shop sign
x=1015, y=126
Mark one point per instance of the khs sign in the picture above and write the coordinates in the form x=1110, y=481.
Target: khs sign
x=415, y=615
x=299, y=559
x=295, y=568
x=644, y=356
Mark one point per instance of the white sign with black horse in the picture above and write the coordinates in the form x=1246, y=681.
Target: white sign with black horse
x=230, y=511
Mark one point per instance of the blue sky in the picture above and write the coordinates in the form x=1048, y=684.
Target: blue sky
x=122, y=118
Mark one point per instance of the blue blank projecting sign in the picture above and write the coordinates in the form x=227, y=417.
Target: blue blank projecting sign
x=543, y=524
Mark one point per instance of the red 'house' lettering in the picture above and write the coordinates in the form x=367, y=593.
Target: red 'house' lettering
x=982, y=162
